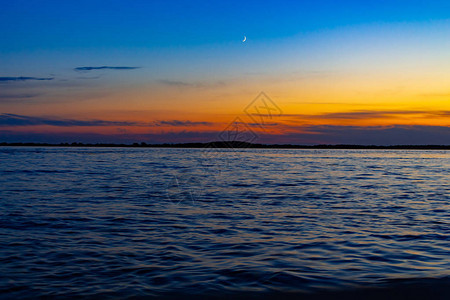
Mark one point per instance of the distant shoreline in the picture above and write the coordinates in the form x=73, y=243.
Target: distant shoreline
x=234, y=145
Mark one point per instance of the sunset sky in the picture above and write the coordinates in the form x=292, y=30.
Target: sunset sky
x=353, y=72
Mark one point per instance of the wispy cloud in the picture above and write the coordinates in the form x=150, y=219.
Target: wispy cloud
x=23, y=78
x=19, y=120
x=91, y=77
x=369, y=114
x=178, y=83
x=18, y=96
x=436, y=95
x=84, y=69
x=13, y=120
x=174, y=82
x=177, y=123
x=265, y=124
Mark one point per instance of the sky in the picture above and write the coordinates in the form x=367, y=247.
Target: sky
x=309, y=72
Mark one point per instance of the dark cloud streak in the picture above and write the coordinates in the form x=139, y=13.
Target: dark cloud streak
x=84, y=69
x=7, y=120
x=177, y=123
x=24, y=78
x=174, y=83
x=185, y=84
x=13, y=120
x=18, y=96
x=367, y=114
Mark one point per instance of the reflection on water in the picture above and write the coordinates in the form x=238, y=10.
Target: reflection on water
x=148, y=222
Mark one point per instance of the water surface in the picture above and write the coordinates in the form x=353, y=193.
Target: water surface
x=127, y=222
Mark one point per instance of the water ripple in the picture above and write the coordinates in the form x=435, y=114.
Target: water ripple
x=131, y=223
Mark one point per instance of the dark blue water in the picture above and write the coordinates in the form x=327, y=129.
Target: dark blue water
x=125, y=222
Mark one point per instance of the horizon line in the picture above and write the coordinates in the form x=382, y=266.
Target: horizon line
x=227, y=144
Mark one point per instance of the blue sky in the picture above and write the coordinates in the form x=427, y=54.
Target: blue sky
x=67, y=25
x=44, y=35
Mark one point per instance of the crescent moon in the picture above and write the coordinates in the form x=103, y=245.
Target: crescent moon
x=245, y=38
